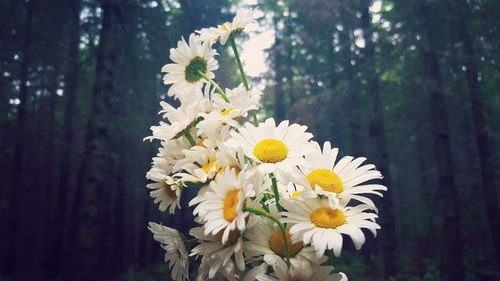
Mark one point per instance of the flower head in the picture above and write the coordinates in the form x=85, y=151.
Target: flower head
x=222, y=207
x=217, y=257
x=273, y=148
x=165, y=189
x=176, y=254
x=192, y=61
x=179, y=119
x=222, y=32
x=280, y=272
x=316, y=222
x=265, y=241
x=321, y=174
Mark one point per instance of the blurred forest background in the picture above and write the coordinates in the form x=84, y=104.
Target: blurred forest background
x=414, y=85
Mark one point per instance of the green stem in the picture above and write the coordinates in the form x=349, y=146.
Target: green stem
x=264, y=200
x=215, y=85
x=331, y=257
x=276, y=193
x=242, y=73
x=267, y=196
x=263, y=213
x=189, y=138
x=238, y=61
x=191, y=241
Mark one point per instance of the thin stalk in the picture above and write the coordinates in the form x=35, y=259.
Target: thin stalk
x=242, y=73
x=331, y=257
x=238, y=61
x=263, y=213
x=267, y=196
x=276, y=193
x=191, y=241
x=189, y=138
x=264, y=200
x=215, y=85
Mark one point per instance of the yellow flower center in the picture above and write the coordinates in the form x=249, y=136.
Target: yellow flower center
x=169, y=191
x=270, y=151
x=207, y=167
x=227, y=26
x=327, y=217
x=230, y=205
x=277, y=244
x=199, y=142
x=226, y=111
x=235, y=168
x=326, y=179
x=296, y=194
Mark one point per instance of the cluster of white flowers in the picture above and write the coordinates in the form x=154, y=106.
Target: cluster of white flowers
x=271, y=203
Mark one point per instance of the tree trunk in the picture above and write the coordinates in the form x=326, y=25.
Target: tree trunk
x=293, y=95
x=377, y=133
x=279, y=94
x=352, y=86
x=70, y=94
x=96, y=167
x=47, y=173
x=481, y=130
x=444, y=160
x=17, y=165
x=3, y=23
x=119, y=223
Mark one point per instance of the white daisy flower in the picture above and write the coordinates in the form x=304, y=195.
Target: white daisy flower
x=228, y=159
x=223, y=273
x=189, y=60
x=203, y=161
x=240, y=101
x=274, y=148
x=217, y=256
x=179, y=119
x=213, y=130
x=265, y=241
x=281, y=273
x=316, y=222
x=225, y=113
x=166, y=190
x=222, y=32
x=197, y=95
x=322, y=175
x=222, y=207
x=215, y=122
x=176, y=254
x=204, y=165
x=290, y=190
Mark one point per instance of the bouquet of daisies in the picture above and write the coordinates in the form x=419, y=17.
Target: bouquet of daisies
x=271, y=203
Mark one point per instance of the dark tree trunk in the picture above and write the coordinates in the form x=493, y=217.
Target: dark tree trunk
x=448, y=191
x=47, y=172
x=96, y=168
x=12, y=11
x=288, y=30
x=279, y=94
x=104, y=208
x=70, y=94
x=17, y=165
x=119, y=223
x=481, y=129
x=377, y=133
x=144, y=237
x=352, y=86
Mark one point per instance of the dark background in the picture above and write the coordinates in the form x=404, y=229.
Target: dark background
x=414, y=86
